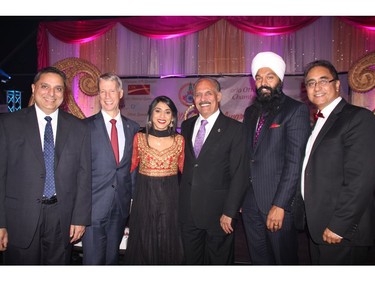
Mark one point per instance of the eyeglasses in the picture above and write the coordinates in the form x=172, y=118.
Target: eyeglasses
x=321, y=83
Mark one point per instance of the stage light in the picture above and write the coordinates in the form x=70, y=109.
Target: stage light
x=4, y=77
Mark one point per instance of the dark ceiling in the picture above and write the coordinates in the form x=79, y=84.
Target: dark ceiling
x=18, y=51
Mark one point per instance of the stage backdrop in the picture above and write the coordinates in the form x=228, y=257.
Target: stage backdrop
x=238, y=93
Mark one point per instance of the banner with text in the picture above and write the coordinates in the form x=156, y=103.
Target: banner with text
x=238, y=93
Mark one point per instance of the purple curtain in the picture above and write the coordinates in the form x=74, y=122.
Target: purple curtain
x=164, y=27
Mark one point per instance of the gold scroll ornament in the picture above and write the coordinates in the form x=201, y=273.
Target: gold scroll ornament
x=88, y=75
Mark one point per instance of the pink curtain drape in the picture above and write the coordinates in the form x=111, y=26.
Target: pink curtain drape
x=164, y=27
x=269, y=26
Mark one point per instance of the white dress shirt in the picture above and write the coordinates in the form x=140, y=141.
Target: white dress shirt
x=318, y=126
x=42, y=123
x=211, y=121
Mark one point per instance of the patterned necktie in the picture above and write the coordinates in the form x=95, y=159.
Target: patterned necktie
x=259, y=128
x=317, y=115
x=199, y=139
x=114, y=140
x=49, y=159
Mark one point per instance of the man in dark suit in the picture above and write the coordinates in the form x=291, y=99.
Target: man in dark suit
x=338, y=178
x=277, y=127
x=213, y=181
x=111, y=179
x=36, y=228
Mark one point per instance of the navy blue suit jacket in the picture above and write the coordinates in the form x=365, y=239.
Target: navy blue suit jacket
x=110, y=181
x=276, y=160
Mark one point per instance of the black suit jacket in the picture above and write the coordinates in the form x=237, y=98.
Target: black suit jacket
x=22, y=174
x=340, y=177
x=215, y=183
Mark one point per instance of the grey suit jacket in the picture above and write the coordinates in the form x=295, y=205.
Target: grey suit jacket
x=340, y=178
x=110, y=181
x=216, y=182
x=22, y=174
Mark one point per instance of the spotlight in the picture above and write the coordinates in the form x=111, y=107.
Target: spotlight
x=4, y=77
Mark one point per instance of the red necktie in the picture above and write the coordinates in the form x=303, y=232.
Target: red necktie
x=114, y=140
x=317, y=115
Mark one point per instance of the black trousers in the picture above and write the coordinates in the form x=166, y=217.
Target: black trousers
x=337, y=254
x=207, y=246
x=47, y=247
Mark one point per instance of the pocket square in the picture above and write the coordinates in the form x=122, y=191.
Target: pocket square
x=274, y=125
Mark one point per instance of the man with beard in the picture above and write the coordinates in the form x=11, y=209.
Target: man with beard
x=277, y=127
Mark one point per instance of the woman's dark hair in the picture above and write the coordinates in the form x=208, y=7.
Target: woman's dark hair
x=172, y=129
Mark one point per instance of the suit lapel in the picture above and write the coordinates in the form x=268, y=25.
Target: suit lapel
x=31, y=129
x=102, y=129
x=328, y=124
x=253, y=119
x=266, y=126
x=215, y=133
x=189, y=135
x=62, y=134
x=128, y=138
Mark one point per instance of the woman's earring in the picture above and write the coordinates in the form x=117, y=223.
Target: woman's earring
x=171, y=124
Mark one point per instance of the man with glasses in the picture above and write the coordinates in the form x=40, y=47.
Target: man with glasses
x=277, y=127
x=338, y=179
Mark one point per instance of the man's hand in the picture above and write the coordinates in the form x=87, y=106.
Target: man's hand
x=76, y=232
x=331, y=237
x=275, y=218
x=226, y=224
x=3, y=239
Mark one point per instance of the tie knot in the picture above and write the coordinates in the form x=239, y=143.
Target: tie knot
x=113, y=121
x=48, y=119
x=204, y=122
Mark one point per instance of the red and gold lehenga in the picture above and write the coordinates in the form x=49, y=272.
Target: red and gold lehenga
x=154, y=235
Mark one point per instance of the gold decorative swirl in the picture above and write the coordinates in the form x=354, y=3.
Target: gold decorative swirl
x=361, y=75
x=87, y=74
x=190, y=112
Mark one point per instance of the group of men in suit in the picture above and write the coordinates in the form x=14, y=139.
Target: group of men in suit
x=92, y=188
x=273, y=168
x=330, y=166
x=258, y=165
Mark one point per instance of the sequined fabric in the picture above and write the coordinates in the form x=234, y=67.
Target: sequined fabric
x=155, y=163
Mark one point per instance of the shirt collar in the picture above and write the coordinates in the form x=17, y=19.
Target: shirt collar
x=107, y=117
x=329, y=108
x=210, y=119
x=40, y=114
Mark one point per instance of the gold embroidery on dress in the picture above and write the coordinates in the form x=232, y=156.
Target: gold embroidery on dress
x=157, y=163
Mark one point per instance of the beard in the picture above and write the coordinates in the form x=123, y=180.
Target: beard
x=268, y=101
